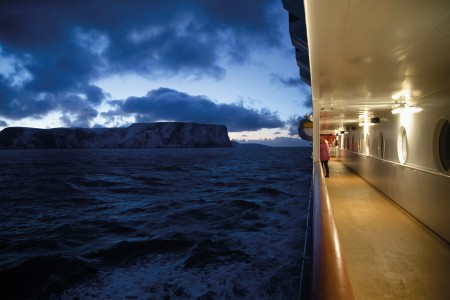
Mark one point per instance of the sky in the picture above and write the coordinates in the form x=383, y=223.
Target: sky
x=110, y=63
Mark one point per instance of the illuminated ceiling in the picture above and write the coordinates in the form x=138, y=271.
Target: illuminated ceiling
x=365, y=54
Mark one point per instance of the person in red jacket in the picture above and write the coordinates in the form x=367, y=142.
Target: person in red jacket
x=324, y=155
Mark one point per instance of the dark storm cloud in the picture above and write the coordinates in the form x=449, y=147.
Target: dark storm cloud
x=82, y=118
x=81, y=105
x=77, y=110
x=292, y=124
x=170, y=105
x=288, y=82
x=17, y=104
x=295, y=82
x=94, y=94
x=66, y=45
x=307, y=101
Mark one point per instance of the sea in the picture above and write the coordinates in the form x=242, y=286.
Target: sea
x=202, y=223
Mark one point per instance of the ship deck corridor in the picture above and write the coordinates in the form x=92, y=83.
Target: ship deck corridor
x=388, y=254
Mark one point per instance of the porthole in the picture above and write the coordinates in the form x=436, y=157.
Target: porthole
x=367, y=144
x=402, y=145
x=444, y=145
x=381, y=145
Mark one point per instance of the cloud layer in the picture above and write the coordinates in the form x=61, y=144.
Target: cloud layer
x=171, y=105
x=52, y=51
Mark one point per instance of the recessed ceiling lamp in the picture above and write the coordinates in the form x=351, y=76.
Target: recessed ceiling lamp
x=404, y=107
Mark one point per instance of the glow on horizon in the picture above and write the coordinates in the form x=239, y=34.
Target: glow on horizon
x=257, y=135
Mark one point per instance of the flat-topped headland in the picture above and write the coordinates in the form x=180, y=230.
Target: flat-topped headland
x=137, y=135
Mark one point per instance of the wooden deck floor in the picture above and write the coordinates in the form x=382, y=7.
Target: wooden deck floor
x=388, y=254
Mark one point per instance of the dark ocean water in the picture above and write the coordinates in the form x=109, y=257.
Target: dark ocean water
x=153, y=223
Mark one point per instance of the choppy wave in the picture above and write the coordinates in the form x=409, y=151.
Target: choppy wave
x=153, y=223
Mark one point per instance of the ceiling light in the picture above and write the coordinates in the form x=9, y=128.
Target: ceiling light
x=404, y=107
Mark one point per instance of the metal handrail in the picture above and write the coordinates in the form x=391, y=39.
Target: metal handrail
x=330, y=278
x=405, y=165
x=304, y=286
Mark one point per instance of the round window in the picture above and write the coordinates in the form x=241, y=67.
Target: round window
x=402, y=145
x=444, y=145
x=381, y=145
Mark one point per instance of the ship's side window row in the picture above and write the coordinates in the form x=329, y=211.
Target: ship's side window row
x=443, y=130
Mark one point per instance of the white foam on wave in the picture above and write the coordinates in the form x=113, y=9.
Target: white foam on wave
x=166, y=278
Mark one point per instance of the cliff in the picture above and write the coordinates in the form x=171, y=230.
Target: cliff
x=139, y=135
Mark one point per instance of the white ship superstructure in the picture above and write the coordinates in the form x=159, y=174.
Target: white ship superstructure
x=380, y=78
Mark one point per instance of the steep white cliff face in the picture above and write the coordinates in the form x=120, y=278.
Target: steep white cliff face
x=139, y=135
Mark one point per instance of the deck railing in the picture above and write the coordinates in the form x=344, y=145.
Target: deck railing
x=330, y=279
